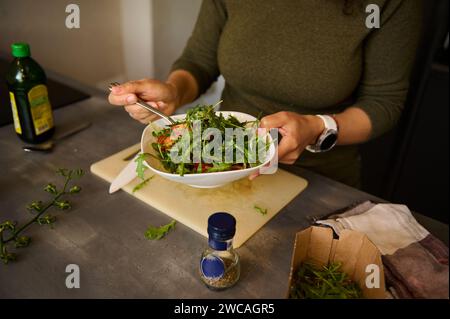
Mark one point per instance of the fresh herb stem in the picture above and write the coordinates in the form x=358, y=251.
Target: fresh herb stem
x=310, y=282
x=142, y=184
x=44, y=209
x=217, y=104
x=262, y=211
x=23, y=241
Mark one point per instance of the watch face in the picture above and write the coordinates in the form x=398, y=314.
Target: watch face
x=328, y=142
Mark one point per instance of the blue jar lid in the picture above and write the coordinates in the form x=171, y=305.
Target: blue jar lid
x=221, y=226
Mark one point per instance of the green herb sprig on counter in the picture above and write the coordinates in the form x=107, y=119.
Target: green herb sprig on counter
x=156, y=233
x=327, y=282
x=142, y=184
x=11, y=232
x=262, y=211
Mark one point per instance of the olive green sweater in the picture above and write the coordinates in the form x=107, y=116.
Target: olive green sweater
x=306, y=56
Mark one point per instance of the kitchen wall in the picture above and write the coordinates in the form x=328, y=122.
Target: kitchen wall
x=173, y=22
x=118, y=40
x=114, y=41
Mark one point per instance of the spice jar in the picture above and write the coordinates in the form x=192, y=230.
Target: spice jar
x=219, y=264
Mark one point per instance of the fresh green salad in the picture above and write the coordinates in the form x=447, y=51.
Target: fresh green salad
x=327, y=282
x=201, y=118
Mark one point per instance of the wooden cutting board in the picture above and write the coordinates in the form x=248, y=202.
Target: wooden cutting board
x=192, y=206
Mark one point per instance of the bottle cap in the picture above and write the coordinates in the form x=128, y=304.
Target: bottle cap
x=20, y=50
x=221, y=226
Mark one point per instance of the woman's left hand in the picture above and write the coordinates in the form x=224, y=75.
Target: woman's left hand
x=297, y=131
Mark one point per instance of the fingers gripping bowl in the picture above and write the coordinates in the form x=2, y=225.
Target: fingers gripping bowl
x=206, y=176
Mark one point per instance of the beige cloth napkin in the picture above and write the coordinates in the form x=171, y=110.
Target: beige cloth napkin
x=415, y=262
x=389, y=226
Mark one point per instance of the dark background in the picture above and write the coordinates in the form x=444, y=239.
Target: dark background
x=410, y=164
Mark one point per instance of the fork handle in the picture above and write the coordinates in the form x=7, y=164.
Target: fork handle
x=150, y=108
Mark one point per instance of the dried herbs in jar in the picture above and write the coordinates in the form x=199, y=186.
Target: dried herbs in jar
x=219, y=264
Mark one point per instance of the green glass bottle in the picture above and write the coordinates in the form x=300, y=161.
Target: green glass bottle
x=32, y=112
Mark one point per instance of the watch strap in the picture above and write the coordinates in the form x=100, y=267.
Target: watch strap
x=331, y=127
x=329, y=121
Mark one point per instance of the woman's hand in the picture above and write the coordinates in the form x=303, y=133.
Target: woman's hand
x=297, y=131
x=163, y=96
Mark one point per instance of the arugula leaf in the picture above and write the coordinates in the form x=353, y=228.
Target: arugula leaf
x=156, y=233
x=140, y=168
x=142, y=184
x=219, y=167
x=262, y=211
x=206, y=114
x=326, y=282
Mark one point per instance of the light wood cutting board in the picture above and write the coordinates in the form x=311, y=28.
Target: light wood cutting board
x=192, y=206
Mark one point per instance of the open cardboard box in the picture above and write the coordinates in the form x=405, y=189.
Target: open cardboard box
x=353, y=250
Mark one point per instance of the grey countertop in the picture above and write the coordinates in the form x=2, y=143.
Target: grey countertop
x=103, y=233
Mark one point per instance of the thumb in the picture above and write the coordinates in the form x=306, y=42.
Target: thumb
x=134, y=87
x=276, y=120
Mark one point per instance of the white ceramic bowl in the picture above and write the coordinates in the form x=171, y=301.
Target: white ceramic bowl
x=200, y=180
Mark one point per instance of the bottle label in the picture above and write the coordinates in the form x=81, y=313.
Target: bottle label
x=212, y=267
x=17, y=126
x=41, y=110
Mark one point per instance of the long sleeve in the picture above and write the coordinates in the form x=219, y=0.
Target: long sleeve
x=200, y=54
x=389, y=54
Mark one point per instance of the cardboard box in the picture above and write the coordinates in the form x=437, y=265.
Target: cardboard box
x=353, y=250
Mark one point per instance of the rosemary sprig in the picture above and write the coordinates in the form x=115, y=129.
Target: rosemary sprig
x=11, y=232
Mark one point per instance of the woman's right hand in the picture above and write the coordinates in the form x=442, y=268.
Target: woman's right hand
x=163, y=96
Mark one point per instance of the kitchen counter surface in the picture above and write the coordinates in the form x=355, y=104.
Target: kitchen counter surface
x=104, y=234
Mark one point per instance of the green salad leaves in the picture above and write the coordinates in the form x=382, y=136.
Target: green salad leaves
x=201, y=128
x=327, y=282
x=140, y=167
x=156, y=233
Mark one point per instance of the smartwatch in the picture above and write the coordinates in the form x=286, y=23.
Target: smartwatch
x=327, y=140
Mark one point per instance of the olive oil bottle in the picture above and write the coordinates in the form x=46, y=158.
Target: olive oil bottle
x=31, y=109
